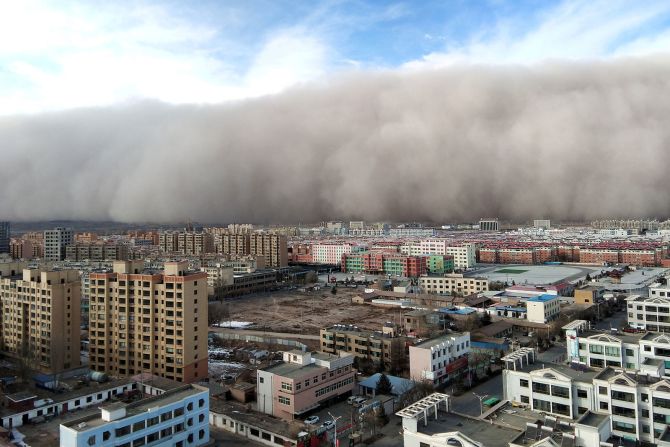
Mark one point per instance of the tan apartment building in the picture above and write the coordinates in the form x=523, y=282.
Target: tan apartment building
x=96, y=252
x=149, y=321
x=190, y=243
x=453, y=282
x=40, y=314
x=385, y=346
x=271, y=246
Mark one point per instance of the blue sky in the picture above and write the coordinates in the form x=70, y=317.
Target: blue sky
x=62, y=54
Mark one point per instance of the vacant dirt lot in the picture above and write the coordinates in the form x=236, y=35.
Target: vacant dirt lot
x=307, y=312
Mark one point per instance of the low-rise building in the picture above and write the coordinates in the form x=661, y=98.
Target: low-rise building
x=453, y=282
x=649, y=313
x=179, y=417
x=303, y=381
x=589, y=294
x=543, y=308
x=379, y=346
x=440, y=359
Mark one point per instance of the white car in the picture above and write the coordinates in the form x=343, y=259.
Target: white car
x=328, y=424
x=312, y=420
x=359, y=401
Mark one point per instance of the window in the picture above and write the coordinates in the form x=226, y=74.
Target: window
x=284, y=400
x=602, y=390
x=91, y=440
x=523, y=383
x=604, y=406
x=582, y=393
x=525, y=400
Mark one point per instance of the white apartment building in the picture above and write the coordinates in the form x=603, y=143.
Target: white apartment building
x=464, y=254
x=330, y=253
x=650, y=313
x=627, y=351
x=179, y=418
x=453, y=282
x=638, y=404
x=56, y=242
x=543, y=308
x=440, y=359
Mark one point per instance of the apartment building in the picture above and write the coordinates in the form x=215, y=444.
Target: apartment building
x=4, y=237
x=388, y=263
x=489, y=225
x=637, y=404
x=40, y=315
x=218, y=275
x=464, y=255
x=189, y=243
x=542, y=224
x=56, y=242
x=440, y=359
x=543, y=308
x=627, y=351
x=330, y=253
x=149, y=321
x=23, y=249
x=96, y=252
x=271, y=246
x=379, y=346
x=650, y=313
x=453, y=282
x=178, y=417
x=303, y=382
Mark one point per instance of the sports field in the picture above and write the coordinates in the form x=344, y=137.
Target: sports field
x=511, y=271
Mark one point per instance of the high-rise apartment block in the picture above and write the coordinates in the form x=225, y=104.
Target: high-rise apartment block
x=56, y=242
x=186, y=242
x=489, y=225
x=40, y=314
x=96, y=252
x=148, y=321
x=4, y=237
x=273, y=247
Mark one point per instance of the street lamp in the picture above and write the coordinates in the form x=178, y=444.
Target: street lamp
x=335, y=427
x=481, y=399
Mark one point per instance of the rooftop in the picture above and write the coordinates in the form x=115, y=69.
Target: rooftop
x=592, y=419
x=542, y=298
x=240, y=412
x=581, y=375
x=291, y=370
x=480, y=431
x=135, y=408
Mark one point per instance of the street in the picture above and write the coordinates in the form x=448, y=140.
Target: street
x=468, y=404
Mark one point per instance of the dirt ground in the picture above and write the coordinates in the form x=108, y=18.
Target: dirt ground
x=307, y=312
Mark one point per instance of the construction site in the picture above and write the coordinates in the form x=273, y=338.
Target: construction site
x=305, y=312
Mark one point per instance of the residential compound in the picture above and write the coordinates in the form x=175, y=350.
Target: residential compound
x=186, y=242
x=40, y=317
x=464, y=254
x=96, y=252
x=441, y=359
x=178, y=417
x=632, y=352
x=302, y=382
x=632, y=405
x=56, y=242
x=243, y=242
x=148, y=321
x=331, y=253
x=379, y=346
x=453, y=282
x=650, y=313
x=395, y=264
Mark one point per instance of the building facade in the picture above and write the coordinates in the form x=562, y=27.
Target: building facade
x=96, y=252
x=543, y=308
x=4, y=237
x=178, y=417
x=650, y=313
x=453, y=282
x=56, y=242
x=302, y=382
x=383, y=346
x=149, y=321
x=441, y=359
x=40, y=315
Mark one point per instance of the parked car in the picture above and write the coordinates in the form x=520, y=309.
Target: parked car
x=359, y=401
x=328, y=424
x=351, y=399
x=312, y=420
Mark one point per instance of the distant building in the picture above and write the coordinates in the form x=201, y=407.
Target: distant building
x=330, y=253
x=56, y=242
x=40, y=312
x=302, y=382
x=178, y=417
x=145, y=321
x=96, y=252
x=489, y=225
x=453, y=282
x=543, y=224
x=4, y=237
x=379, y=346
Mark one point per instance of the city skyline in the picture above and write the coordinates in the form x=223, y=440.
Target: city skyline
x=374, y=110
